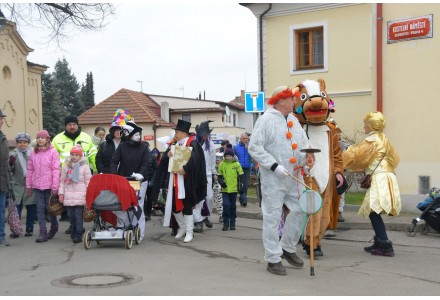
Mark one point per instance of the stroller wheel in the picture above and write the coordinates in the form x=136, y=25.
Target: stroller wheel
x=424, y=229
x=137, y=235
x=87, y=239
x=411, y=230
x=129, y=239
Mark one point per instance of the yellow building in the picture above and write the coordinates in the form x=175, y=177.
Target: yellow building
x=20, y=85
x=372, y=57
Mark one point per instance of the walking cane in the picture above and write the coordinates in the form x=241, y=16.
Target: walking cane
x=310, y=203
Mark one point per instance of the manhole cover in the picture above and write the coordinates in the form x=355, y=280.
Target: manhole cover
x=96, y=280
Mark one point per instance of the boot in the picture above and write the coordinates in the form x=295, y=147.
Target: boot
x=340, y=218
x=181, y=221
x=198, y=227
x=385, y=249
x=374, y=246
x=43, y=236
x=189, y=222
x=53, y=230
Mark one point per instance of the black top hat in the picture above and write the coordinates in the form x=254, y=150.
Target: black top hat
x=203, y=128
x=183, y=126
x=1, y=114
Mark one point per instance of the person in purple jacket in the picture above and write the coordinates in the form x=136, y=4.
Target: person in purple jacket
x=43, y=180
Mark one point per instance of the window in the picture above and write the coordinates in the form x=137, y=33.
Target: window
x=308, y=48
x=234, y=120
x=186, y=117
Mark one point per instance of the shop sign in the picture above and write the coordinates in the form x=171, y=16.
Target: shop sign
x=148, y=137
x=410, y=29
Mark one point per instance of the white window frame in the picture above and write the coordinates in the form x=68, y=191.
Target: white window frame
x=292, y=29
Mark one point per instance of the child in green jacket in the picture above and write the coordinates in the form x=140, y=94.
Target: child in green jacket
x=228, y=173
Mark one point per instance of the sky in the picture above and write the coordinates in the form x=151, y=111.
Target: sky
x=171, y=49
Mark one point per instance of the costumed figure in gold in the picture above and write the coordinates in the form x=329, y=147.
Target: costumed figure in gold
x=377, y=156
x=312, y=108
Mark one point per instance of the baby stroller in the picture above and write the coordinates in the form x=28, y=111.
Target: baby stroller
x=430, y=208
x=114, y=198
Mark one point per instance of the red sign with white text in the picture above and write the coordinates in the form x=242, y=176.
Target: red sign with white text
x=410, y=29
x=148, y=137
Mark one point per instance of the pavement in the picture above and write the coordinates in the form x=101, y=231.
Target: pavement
x=350, y=214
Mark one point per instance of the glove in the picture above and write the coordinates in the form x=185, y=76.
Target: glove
x=12, y=160
x=55, y=192
x=61, y=198
x=137, y=176
x=29, y=192
x=11, y=184
x=280, y=171
x=221, y=181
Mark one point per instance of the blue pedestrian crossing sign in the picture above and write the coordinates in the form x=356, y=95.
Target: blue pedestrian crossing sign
x=254, y=102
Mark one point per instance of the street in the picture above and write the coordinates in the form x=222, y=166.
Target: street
x=216, y=263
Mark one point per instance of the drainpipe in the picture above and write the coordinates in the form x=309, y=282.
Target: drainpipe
x=261, y=47
x=379, y=77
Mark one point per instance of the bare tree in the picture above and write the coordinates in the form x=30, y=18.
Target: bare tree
x=59, y=18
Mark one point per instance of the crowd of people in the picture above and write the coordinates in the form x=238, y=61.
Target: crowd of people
x=192, y=182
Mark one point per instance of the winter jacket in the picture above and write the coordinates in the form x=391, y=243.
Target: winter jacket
x=75, y=192
x=132, y=157
x=5, y=173
x=229, y=172
x=44, y=170
x=19, y=180
x=242, y=154
x=63, y=144
x=210, y=159
x=104, y=155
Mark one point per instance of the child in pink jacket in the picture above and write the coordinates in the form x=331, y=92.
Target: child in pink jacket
x=75, y=177
x=43, y=180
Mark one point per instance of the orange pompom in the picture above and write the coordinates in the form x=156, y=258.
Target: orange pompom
x=294, y=146
x=292, y=160
x=290, y=124
x=288, y=135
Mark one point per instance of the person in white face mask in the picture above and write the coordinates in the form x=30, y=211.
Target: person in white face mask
x=132, y=158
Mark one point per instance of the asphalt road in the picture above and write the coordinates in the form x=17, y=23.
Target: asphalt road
x=216, y=263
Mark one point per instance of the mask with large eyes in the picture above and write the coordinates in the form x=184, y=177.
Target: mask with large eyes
x=312, y=104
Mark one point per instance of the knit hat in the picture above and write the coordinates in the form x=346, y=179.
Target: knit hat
x=71, y=119
x=23, y=136
x=77, y=149
x=228, y=150
x=43, y=133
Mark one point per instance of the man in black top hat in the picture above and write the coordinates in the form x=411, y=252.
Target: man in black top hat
x=186, y=187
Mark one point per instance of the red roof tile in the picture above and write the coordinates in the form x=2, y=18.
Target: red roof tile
x=141, y=108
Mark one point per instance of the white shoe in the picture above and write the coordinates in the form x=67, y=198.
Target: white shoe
x=329, y=233
x=181, y=221
x=189, y=224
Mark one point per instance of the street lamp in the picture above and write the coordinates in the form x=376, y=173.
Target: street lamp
x=139, y=81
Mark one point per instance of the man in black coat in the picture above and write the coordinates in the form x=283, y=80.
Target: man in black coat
x=193, y=177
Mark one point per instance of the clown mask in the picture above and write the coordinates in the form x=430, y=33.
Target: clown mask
x=136, y=137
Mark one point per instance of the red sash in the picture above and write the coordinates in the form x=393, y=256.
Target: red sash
x=179, y=202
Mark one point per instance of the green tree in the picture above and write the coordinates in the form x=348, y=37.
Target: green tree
x=67, y=88
x=53, y=111
x=88, y=93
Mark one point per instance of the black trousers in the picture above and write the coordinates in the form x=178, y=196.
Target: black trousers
x=378, y=226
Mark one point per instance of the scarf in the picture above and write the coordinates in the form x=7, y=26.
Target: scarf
x=73, y=172
x=23, y=157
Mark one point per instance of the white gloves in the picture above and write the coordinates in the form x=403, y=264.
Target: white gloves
x=280, y=171
x=137, y=176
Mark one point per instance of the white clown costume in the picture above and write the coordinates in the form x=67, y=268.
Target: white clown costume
x=277, y=139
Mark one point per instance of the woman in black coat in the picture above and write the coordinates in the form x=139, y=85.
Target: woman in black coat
x=106, y=150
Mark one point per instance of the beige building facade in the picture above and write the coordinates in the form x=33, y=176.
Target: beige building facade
x=364, y=71
x=20, y=85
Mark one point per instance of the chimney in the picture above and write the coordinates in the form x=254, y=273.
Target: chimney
x=165, y=111
x=242, y=96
